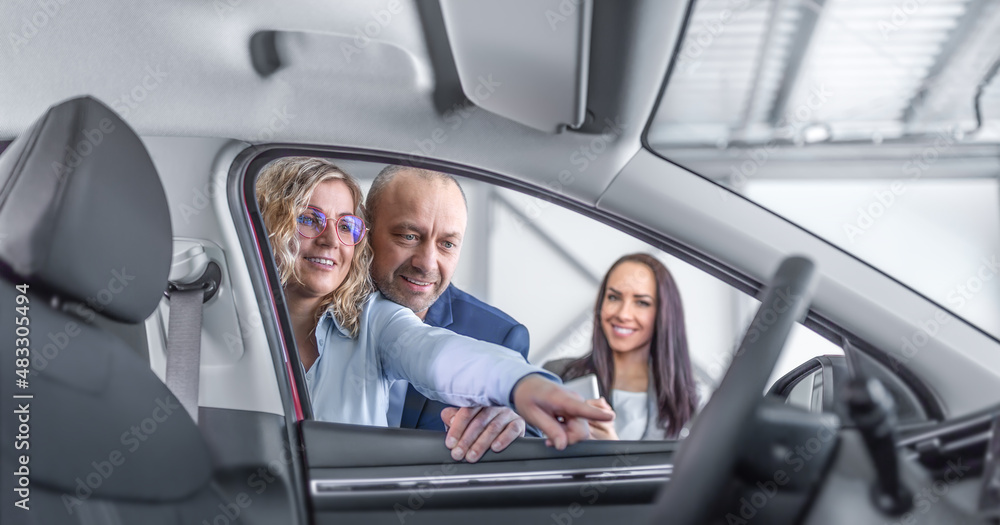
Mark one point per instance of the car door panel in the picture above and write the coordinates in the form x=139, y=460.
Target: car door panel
x=253, y=464
x=339, y=445
x=580, y=514
x=376, y=471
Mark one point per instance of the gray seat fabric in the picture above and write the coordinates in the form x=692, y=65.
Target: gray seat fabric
x=86, y=226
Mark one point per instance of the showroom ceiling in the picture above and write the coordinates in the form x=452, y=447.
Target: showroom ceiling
x=800, y=72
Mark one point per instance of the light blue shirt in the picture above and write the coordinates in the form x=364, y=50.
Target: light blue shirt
x=397, y=398
x=349, y=382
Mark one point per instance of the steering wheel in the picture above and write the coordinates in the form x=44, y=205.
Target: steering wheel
x=705, y=460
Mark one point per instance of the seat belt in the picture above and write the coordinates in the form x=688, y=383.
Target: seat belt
x=184, y=335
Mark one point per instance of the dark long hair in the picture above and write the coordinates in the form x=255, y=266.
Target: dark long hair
x=673, y=377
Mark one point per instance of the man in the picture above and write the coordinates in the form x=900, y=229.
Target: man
x=418, y=219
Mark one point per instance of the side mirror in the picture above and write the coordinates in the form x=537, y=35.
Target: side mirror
x=814, y=385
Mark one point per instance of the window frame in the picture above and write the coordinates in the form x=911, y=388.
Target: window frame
x=251, y=160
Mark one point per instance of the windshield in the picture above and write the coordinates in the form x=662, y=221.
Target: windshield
x=872, y=124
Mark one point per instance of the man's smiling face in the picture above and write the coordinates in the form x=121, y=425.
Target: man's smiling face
x=417, y=236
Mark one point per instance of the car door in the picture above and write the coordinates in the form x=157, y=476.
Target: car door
x=374, y=475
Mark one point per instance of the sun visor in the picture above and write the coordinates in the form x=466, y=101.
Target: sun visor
x=523, y=59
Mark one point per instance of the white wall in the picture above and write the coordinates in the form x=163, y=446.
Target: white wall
x=939, y=236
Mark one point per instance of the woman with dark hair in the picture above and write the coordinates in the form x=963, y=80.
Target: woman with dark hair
x=639, y=354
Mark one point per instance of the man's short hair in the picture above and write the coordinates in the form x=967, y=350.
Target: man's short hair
x=389, y=173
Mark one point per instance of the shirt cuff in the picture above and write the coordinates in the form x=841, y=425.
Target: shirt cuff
x=544, y=373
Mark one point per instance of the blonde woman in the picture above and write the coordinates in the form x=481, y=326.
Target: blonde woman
x=353, y=342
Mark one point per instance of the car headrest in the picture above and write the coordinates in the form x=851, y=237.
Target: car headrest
x=83, y=214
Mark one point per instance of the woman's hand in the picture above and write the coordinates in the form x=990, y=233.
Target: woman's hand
x=602, y=429
x=558, y=412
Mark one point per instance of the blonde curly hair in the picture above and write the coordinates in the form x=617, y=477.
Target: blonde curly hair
x=283, y=190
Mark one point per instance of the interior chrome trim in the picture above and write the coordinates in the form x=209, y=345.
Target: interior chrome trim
x=326, y=487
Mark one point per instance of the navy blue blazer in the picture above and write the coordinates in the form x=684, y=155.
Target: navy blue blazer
x=463, y=314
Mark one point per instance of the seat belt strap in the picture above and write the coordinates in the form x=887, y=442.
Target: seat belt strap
x=184, y=347
x=184, y=335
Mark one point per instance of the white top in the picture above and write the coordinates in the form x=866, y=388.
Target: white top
x=349, y=382
x=631, y=413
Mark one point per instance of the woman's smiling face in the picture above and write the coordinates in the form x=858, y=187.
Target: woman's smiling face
x=628, y=311
x=323, y=262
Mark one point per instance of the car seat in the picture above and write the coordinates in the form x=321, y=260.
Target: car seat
x=85, y=233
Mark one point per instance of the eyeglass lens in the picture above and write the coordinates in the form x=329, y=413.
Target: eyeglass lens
x=312, y=223
x=350, y=229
